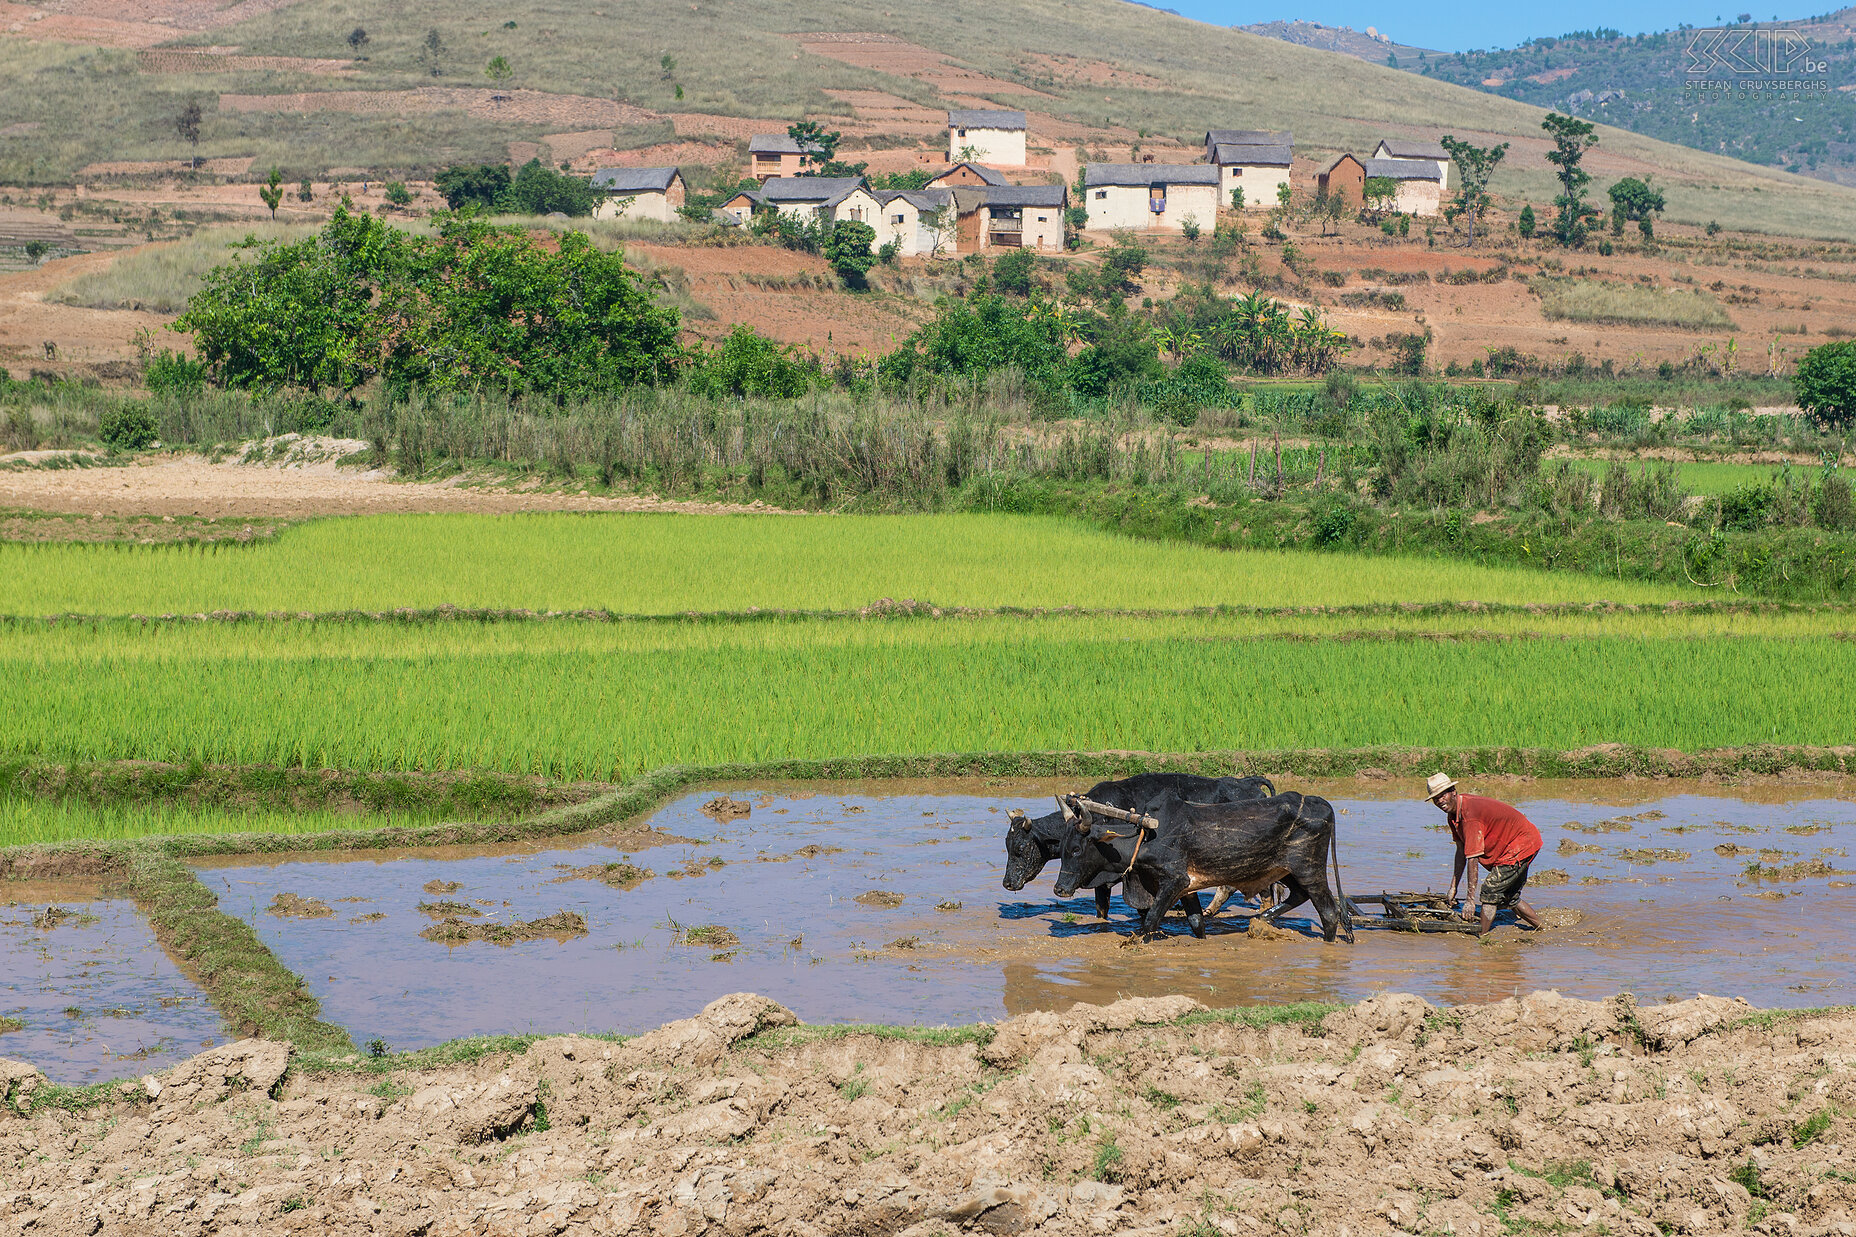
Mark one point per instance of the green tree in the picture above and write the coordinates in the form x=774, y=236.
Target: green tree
x=1526, y=223
x=271, y=192
x=432, y=51
x=1378, y=193
x=473, y=185
x=187, y=124
x=847, y=248
x=357, y=39
x=1237, y=198
x=1016, y=272
x=1474, y=166
x=537, y=189
x=398, y=194
x=1571, y=139
x=1825, y=384
x=817, y=147
x=748, y=363
x=667, y=65
x=472, y=307
x=305, y=192
x=1636, y=201
x=498, y=69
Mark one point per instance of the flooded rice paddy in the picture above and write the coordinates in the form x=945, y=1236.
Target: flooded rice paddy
x=881, y=902
x=85, y=991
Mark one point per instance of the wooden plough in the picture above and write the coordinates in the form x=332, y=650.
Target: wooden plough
x=1409, y=912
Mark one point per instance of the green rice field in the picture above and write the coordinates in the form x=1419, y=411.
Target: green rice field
x=1711, y=478
x=24, y=820
x=663, y=564
x=611, y=700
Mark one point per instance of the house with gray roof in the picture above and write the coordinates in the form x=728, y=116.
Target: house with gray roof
x=1411, y=148
x=777, y=154
x=1151, y=196
x=1419, y=184
x=1255, y=161
x=966, y=174
x=639, y=193
x=1246, y=137
x=988, y=135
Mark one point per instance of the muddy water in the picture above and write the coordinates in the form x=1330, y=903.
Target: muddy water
x=906, y=920
x=96, y=995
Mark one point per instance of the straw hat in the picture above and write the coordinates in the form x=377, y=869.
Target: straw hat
x=1438, y=783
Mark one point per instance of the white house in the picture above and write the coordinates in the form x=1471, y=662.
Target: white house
x=1259, y=171
x=986, y=136
x=858, y=204
x=1406, y=148
x=1419, y=184
x=808, y=196
x=1151, y=196
x=918, y=220
x=1023, y=217
x=639, y=193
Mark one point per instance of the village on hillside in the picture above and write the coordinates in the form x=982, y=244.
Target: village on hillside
x=971, y=204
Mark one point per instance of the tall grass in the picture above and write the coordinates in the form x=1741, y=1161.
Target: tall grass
x=24, y=820
x=658, y=564
x=161, y=278
x=596, y=700
x=1583, y=300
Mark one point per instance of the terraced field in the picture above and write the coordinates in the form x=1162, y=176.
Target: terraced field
x=667, y=564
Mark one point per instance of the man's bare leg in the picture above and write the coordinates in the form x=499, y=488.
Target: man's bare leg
x=1487, y=920
x=1527, y=914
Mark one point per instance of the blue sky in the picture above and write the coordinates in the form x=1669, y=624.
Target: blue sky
x=1459, y=27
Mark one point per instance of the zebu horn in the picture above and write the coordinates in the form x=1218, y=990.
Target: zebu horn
x=1069, y=813
x=1018, y=819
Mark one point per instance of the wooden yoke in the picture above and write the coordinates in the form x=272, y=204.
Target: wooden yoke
x=1075, y=806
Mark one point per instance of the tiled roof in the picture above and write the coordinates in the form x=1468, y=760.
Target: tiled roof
x=986, y=119
x=1403, y=169
x=1406, y=148
x=1226, y=154
x=1150, y=174
x=1249, y=137
x=777, y=144
x=634, y=180
x=808, y=188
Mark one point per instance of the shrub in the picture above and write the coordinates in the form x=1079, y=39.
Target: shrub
x=127, y=427
x=1747, y=507
x=473, y=185
x=174, y=373
x=1825, y=384
x=1334, y=524
x=748, y=363
x=1831, y=507
x=847, y=248
x=1526, y=223
x=1015, y=272
x=398, y=194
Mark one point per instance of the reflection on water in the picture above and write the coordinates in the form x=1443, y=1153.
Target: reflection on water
x=1659, y=913
x=95, y=995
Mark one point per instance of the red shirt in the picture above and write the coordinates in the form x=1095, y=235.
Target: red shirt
x=1493, y=832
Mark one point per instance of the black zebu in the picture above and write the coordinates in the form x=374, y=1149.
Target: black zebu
x=1192, y=846
x=1030, y=843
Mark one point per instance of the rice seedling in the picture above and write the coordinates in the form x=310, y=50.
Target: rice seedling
x=597, y=700
x=665, y=564
x=25, y=820
x=1579, y=300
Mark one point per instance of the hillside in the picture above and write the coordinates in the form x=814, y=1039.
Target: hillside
x=91, y=98
x=1645, y=84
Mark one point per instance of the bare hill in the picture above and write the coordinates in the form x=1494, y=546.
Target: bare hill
x=1098, y=75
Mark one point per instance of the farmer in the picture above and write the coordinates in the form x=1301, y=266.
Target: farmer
x=1496, y=835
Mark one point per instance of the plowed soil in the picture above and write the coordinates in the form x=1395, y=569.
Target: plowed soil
x=1150, y=1116
x=190, y=485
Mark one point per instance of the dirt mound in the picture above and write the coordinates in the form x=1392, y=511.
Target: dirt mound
x=617, y=875
x=1157, y=1115
x=455, y=931
x=725, y=809
x=294, y=906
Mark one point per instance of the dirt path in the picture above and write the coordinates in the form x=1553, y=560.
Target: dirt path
x=190, y=485
x=1148, y=1116
x=28, y=321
